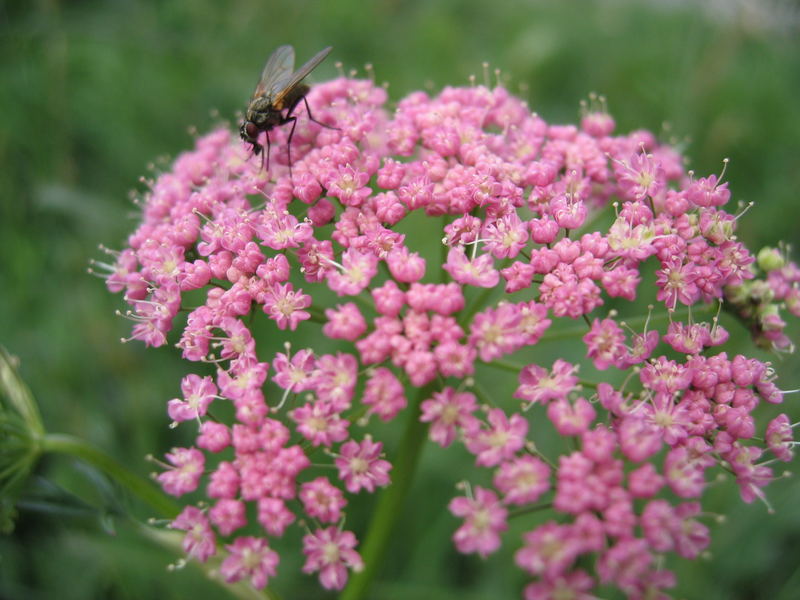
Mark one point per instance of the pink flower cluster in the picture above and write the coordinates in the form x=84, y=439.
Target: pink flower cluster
x=520, y=204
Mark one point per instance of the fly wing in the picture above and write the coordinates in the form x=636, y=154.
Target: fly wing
x=277, y=72
x=279, y=92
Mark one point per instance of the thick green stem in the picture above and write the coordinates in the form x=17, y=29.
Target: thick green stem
x=390, y=504
x=141, y=487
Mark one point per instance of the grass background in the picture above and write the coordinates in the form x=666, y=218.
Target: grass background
x=91, y=92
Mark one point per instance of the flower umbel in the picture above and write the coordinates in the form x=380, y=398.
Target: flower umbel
x=512, y=198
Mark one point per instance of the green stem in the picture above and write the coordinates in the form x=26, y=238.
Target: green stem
x=141, y=487
x=390, y=504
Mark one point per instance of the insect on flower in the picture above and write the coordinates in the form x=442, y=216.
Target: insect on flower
x=275, y=98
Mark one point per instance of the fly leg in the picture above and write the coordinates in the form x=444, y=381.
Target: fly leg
x=293, y=120
x=269, y=145
x=311, y=117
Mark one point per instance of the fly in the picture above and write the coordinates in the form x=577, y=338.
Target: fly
x=275, y=98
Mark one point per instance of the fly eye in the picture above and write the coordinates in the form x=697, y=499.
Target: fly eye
x=251, y=129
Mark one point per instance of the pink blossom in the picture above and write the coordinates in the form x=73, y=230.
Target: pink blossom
x=357, y=271
x=295, y=373
x=495, y=332
x=641, y=177
x=198, y=393
x=448, y=412
x=404, y=266
x=184, y=475
x=360, y=465
x=484, y=521
x=645, y=482
x=505, y=236
x=706, y=191
x=224, y=481
x=571, y=418
x=684, y=469
x=499, y=441
x=336, y=379
x=625, y=564
x=605, y=343
x=346, y=323
x=548, y=551
x=384, y=394
x=285, y=306
x=576, y=585
x=780, y=439
x=200, y=541
x=320, y=423
x=478, y=271
x=214, y=437
x=536, y=384
x=522, y=480
x=389, y=299
x=273, y=516
x=750, y=476
x=321, y=500
x=228, y=515
x=331, y=552
x=249, y=557
x=676, y=283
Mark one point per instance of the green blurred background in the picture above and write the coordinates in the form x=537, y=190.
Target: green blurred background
x=91, y=92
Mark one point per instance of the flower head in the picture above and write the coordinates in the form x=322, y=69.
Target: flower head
x=548, y=233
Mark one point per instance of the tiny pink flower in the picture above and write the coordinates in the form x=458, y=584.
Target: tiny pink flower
x=274, y=516
x=522, y=480
x=641, y=177
x=495, y=332
x=249, y=557
x=779, y=438
x=571, y=418
x=479, y=272
x=184, y=476
x=536, y=384
x=384, y=394
x=645, y=481
x=319, y=423
x=625, y=564
x=484, y=521
x=576, y=585
x=200, y=541
x=548, y=551
x=605, y=343
x=357, y=271
x=322, y=500
x=345, y=322
x=286, y=307
x=404, y=266
x=224, y=481
x=295, y=374
x=448, y=412
x=389, y=299
x=499, y=441
x=198, y=393
x=228, y=515
x=331, y=552
x=360, y=465
x=214, y=437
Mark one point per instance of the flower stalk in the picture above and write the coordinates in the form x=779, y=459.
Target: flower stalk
x=389, y=507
